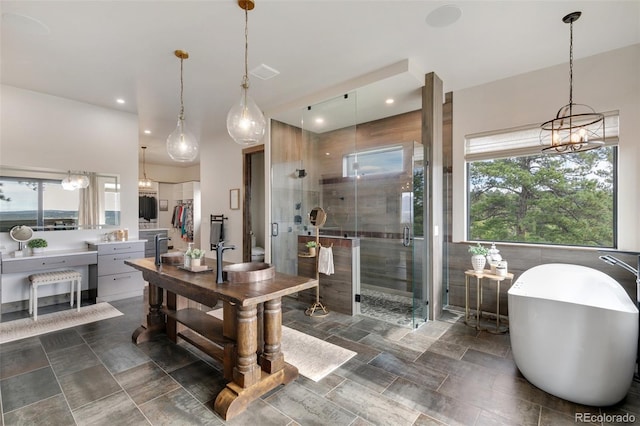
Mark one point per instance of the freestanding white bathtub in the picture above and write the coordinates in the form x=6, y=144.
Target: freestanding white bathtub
x=574, y=333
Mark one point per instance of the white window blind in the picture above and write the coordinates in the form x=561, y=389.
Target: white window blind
x=522, y=141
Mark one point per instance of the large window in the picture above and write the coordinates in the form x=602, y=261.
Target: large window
x=43, y=204
x=519, y=195
x=36, y=203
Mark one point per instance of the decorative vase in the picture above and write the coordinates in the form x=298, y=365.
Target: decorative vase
x=195, y=262
x=478, y=261
x=312, y=251
x=37, y=250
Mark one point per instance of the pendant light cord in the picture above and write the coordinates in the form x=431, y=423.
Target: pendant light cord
x=571, y=69
x=181, y=91
x=144, y=162
x=245, y=78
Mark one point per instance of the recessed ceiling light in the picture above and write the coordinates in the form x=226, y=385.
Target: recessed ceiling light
x=147, y=132
x=443, y=16
x=389, y=101
x=319, y=120
x=120, y=101
x=327, y=153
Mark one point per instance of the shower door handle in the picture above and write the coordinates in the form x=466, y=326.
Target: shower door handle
x=274, y=229
x=406, y=236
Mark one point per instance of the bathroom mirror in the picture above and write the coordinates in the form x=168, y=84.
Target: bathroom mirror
x=36, y=198
x=317, y=217
x=21, y=234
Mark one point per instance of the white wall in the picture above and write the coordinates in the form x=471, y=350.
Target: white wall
x=39, y=130
x=221, y=171
x=606, y=82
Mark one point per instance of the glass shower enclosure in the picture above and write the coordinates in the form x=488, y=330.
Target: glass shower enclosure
x=369, y=178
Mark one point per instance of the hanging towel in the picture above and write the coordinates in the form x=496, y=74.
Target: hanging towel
x=216, y=233
x=325, y=260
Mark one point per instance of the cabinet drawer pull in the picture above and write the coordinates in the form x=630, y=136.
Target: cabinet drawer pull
x=122, y=258
x=122, y=278
x=121, y=248
x=54, y=263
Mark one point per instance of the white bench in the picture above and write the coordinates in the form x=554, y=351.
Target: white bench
x=54, y=277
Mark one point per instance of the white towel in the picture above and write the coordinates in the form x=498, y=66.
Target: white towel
x=325, y=260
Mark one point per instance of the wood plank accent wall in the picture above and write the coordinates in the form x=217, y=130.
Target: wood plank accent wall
x=378, y=200
x=337, y=291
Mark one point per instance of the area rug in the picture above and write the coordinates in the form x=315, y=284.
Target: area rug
x=314, y=358
x=27, y=327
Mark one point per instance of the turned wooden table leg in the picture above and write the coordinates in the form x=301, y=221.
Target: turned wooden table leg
x=272, y=359
x=246, y=372
x=155, y=318
x=172, y=324
x=260, y=318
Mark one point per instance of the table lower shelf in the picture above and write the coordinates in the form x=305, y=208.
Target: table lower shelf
x=205, y=332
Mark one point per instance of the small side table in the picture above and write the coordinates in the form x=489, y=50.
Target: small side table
x=492, y=278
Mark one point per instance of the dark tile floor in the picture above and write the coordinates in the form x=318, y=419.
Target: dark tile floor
x=442, y=373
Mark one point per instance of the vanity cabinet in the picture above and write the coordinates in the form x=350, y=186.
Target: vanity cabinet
x=115, y=279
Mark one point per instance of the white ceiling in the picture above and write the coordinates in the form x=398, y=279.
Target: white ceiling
x=97, y=51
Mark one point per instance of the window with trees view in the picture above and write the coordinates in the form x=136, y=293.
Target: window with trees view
x=567, y=199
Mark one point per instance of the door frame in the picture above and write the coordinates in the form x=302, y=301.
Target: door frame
x=247, y=157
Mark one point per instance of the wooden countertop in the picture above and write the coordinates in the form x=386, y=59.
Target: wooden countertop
x=202, y=286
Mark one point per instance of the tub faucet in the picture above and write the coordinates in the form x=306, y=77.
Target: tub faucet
x=615, y=261
x=220, y=248
x=157, y=239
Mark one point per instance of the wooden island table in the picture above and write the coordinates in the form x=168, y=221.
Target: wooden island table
x=248, y=339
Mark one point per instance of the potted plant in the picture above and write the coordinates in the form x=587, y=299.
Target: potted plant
x=478, y=257
x=196, y=256
x=37, y=245
x=311, y=248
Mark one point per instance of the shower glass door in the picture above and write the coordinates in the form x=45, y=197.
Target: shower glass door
x=389, y=197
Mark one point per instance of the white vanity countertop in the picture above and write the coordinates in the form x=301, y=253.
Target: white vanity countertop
x=9, y=257
x=100, y=242
x=152, y=229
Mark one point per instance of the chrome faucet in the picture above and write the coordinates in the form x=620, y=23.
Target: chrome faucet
x=157, y=239
x=220, y=248
x=615, y=261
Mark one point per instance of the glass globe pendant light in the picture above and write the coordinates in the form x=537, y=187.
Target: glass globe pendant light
x=576, y=127
x=181, y=144
x=245, y=122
